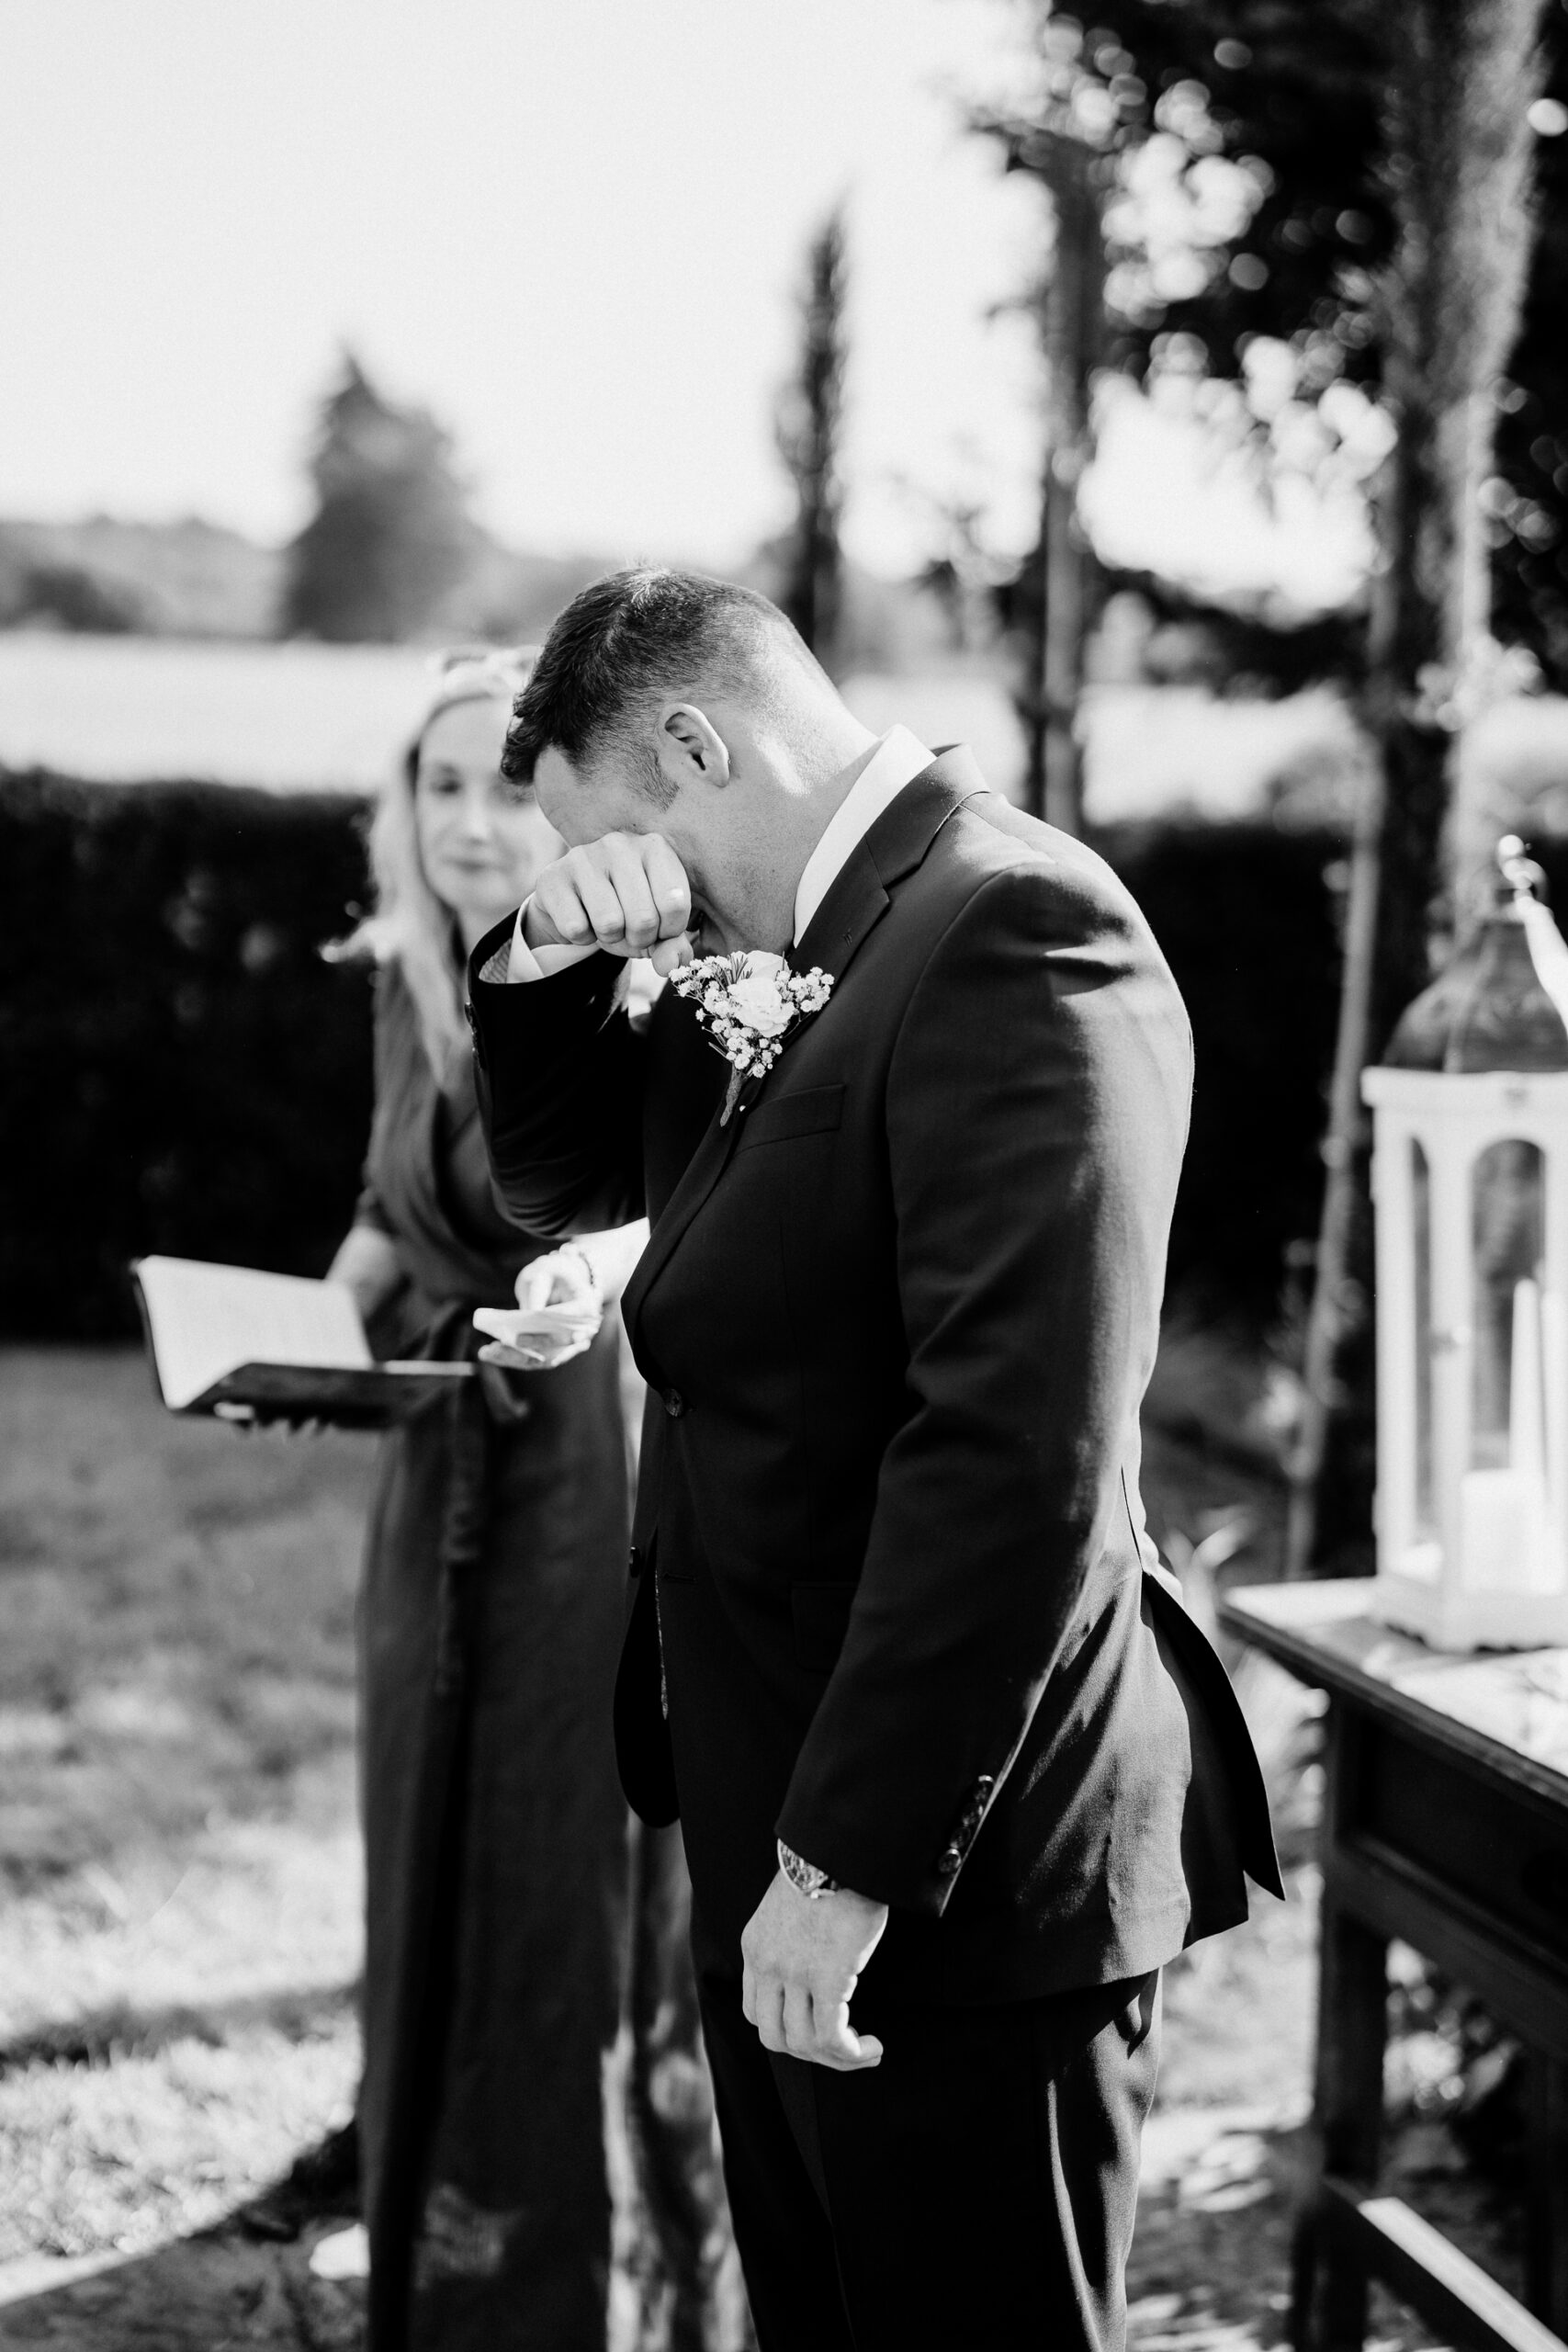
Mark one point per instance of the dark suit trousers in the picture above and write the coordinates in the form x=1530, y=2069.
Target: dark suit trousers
x=973, y=2193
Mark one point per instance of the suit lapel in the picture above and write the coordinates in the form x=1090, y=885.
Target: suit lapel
x=855, y=902
x=857, y=897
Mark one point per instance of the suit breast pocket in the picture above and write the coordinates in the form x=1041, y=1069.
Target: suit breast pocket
x=779, y=1118
x=821, y=1616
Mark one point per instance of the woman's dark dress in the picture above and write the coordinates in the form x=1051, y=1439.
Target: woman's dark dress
x=495, y=1829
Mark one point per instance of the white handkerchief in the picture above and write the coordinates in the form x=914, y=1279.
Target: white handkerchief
x=569, y=1321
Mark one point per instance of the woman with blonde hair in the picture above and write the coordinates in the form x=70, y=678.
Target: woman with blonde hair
x=495, y=1830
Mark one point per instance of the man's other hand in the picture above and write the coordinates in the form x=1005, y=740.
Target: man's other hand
x=802, y=1961
x=626, y=893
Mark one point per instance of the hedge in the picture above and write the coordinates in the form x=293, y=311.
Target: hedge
x=1250, y=924
x=179, y=1071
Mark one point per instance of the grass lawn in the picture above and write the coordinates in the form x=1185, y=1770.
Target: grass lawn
x=179, y=1934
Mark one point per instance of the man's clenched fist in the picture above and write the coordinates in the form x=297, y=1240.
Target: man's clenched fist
x=626, y=893
x=801, y=1961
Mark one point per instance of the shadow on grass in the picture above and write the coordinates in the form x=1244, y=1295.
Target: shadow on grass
x=1210, y=2271
x=119, y=2030
x=215, y=2289
x=1222, y=2187
x=1211, y=2261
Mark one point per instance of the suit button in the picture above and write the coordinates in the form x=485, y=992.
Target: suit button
x=674, y=1403
x=949, y=1861
x=633, y=1562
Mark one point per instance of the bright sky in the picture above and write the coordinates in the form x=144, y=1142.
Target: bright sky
x=572, y=227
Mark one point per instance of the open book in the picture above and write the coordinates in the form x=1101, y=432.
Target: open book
x=250, y=1346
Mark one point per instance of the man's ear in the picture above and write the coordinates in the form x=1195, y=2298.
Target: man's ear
x=690, y=747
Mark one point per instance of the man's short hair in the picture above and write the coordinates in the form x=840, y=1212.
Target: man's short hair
x=629, y=639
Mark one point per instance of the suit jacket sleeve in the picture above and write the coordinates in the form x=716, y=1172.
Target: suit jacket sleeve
x=1036, y=1115
x=560, y=1074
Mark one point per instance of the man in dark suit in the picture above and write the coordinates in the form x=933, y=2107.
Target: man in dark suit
x=942, y=1741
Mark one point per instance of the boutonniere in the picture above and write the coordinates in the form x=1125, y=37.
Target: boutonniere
x=749, y=1004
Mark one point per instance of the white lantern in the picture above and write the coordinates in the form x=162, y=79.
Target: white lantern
x=1470, y=1180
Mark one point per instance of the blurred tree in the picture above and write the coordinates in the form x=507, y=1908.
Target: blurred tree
x=810, y=412
x=69, y=596
x=1301, y=95
x=391, y=538
x=1088, y=111
x=1462, y=78
x=1527, y=500
x=1256, y=205
x=1050, y=608
x=1310, y=199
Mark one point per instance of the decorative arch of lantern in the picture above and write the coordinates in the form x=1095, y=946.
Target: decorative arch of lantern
x=1470, y=1178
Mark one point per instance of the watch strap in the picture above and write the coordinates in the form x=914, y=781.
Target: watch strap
x=804, y=1876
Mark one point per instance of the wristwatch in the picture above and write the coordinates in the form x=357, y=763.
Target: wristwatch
x=804, y=1877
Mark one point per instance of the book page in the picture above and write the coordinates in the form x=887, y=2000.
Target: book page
x=204, y=1321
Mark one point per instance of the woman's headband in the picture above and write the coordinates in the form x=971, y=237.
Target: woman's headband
x=475, y=673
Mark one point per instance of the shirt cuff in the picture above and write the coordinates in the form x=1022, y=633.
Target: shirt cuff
x=526, y=962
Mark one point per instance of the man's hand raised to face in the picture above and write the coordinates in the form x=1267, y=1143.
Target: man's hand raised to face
x=801, y=1961
x=626, y=893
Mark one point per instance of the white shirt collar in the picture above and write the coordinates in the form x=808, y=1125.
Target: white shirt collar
x=897, y=760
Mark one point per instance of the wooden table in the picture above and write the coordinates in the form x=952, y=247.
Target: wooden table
x=1445, y=1824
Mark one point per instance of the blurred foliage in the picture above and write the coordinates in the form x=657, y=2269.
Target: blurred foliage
x=192, y=579
x=1249, y=215
x=1528, y=500
x=1241, y=655
x=179, y=1071
x=390, y=537
x=67, y=596
x=178, y=579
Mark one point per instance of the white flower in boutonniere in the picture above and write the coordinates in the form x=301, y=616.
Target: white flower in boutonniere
x=749, y=1004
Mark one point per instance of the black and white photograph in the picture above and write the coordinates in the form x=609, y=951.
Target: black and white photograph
x=783, y=1176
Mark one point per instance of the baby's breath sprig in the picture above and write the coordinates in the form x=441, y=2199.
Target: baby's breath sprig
x=748, y=1005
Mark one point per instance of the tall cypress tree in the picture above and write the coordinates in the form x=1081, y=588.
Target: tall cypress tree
x=389, y=538
x=809, y=416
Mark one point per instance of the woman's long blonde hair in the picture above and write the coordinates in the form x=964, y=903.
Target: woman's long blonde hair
x=408, y=926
